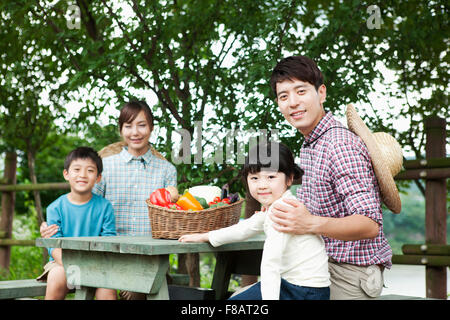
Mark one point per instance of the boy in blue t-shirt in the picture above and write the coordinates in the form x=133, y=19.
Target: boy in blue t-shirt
x=79, y=213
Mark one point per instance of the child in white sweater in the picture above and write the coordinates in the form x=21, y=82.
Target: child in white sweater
x=293, y=267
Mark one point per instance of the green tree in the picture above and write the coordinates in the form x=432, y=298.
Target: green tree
x=210, y=61
x=25, y=121
x=205, y=62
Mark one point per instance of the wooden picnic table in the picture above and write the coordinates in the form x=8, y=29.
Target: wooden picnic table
x=140, y=264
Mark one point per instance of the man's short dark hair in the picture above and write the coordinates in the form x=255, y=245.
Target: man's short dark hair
x=296, y=67
x=84, y=153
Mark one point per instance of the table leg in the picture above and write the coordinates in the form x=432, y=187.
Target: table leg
x=162, y=294
x=222, y=273
x=85, y=293
x=239, y=262
x=131, y=272
x=159, y=290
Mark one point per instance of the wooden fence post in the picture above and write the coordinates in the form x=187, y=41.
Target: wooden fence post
x=435, y=207
x=8, y=204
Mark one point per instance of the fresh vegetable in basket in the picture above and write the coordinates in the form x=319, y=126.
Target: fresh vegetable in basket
x=187, y=201
x=221, y=202
x=173, y=193
x=206, y=192
x=218, y=204
x=202, y=202
x=173, y=206
x=160, y=197
x=234, y=197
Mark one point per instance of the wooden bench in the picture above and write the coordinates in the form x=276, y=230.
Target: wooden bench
x=178, y=289
x=13, y=289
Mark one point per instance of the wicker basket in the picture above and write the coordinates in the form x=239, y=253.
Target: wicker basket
x=171, y=224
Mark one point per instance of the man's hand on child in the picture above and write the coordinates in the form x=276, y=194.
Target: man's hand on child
x=292, y=217
x=195, y=237
x=48, y=231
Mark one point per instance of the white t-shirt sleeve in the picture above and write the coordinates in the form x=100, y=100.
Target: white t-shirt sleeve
x=238, y=232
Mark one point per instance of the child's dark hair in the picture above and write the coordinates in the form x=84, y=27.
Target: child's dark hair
x=296, y=67
x=84, y=153
x=271, y=155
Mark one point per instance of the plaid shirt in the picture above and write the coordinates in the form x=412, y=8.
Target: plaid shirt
x=127, y=181
x=339, y=181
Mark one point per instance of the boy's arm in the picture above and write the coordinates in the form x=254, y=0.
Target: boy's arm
x=109, y=222
x=54, y=218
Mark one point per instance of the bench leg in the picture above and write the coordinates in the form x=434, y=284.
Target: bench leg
x=163, y=293
x=85, y=293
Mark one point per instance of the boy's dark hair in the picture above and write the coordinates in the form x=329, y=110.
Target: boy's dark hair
x=296, y=67
x=130, y=111
x=84, y=153
x=270, y=155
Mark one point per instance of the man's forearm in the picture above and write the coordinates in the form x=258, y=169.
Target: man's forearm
x=350, y=228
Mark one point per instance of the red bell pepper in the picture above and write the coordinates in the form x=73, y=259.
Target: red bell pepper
x=160, y=197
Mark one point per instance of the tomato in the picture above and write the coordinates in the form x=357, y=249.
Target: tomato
x=216, y=199
x=226, y=200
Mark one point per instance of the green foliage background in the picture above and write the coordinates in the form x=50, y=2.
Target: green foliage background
x=209, y=61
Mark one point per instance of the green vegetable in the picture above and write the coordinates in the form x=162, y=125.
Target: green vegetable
x=219, y=204
x=202, y=202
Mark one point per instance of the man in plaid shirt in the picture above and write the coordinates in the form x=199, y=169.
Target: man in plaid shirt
x=339, y=198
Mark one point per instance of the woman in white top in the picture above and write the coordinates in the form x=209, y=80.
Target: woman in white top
x=293, y=267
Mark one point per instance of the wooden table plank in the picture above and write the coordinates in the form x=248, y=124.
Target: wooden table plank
x=144, y=245
x=140, y=264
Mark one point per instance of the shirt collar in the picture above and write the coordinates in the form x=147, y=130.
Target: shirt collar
x=320, y=128
x=125, y=155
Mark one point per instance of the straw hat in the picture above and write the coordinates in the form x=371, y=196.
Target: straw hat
x=386, y=155
x=115, y=148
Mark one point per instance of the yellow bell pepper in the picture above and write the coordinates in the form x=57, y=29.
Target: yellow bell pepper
x=187, y=201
